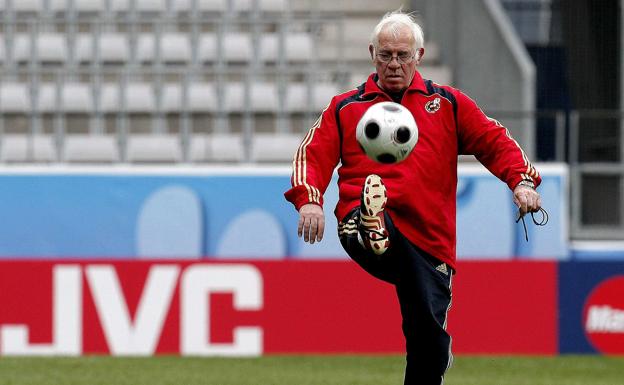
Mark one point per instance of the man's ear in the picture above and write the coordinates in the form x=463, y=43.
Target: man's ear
x=419, y=55
x=371, y=49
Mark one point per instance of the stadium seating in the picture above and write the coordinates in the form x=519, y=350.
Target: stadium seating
x=217, y=148
x=48, y=47
x=14, y=98
x=113, y=48
x=173, y=47
x=297, y=47
x=28, y=6
x=85, y=148
x=137, y=97
x=236, y=47
x=302, y=97
x=154, y=148
x=178, y=80
x=71, y=97
x=27, y=148
x=148, y=6
x=274, y=148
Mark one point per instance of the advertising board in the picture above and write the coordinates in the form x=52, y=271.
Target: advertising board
x=250, y=308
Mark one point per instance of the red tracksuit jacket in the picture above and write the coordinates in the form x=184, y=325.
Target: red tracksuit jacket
x=422, y=189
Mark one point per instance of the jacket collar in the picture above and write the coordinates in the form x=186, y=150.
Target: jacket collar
x=371, y=87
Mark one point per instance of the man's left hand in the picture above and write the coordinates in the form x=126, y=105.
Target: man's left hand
x=527, y=199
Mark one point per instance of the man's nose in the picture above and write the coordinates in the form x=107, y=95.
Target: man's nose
x=394, y=63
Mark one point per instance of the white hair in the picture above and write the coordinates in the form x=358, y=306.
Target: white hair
x=393, y=21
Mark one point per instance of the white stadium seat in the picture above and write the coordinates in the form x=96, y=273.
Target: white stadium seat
x=174, y=47
x=21, y=47
x=79, y=5
x=202, y=5
x=172, y=97
x=27, y=148
x=46, y=98
x=262, y=97
x=110, y=98
x=297, y=99
x=74, y=98
x=140, y=5
x=297, y=47
x=145, y=47
x=113, y=48
x=202, y=97
x=120, y=5
x=151, y=5
x=86, y=148
x=14, y=98
x=222, y=5
x=49, y=47
x=77, y=98
x=263, y=5
x=139, y=98
x=149, y=148
x=52, y=47
x=90, y=5
x=237, y=47
x=274, y=147
x=217, y=148
x=28, y=5
x=375, y=7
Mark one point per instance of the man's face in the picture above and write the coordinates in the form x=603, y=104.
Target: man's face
x=396, y=74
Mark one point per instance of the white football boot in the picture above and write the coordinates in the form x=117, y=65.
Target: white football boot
x=372, y=229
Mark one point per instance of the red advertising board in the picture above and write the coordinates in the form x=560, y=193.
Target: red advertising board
x=505, y=307
x=258, y=307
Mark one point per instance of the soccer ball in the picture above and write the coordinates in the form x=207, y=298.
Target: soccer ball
x=387, y=132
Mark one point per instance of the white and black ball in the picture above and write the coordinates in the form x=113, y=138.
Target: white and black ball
x=387, y=132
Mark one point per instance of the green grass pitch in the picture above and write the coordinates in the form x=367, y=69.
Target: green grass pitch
x=306, y=370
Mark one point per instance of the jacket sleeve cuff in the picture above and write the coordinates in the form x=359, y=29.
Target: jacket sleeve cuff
x=301, y=195
x=517, y=179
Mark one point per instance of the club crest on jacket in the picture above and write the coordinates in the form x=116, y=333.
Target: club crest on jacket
x=432, y=106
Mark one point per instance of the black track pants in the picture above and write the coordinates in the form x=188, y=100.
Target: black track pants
x=423, y=286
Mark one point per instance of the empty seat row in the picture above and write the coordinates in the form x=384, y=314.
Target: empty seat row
x=235, y=97
x=142, y=5
x=172, y=47
x=147, y=148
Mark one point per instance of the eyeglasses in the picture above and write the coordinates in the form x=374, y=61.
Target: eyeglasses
x=402, y=58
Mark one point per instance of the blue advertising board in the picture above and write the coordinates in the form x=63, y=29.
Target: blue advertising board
x=232, y=212
x=591, y=307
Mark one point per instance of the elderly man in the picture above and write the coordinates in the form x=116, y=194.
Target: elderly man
x=397, y=221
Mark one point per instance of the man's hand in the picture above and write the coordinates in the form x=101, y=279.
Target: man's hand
x=311, y=222
x=527, y=199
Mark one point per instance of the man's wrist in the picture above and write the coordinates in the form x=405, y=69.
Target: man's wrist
x=526, y=183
